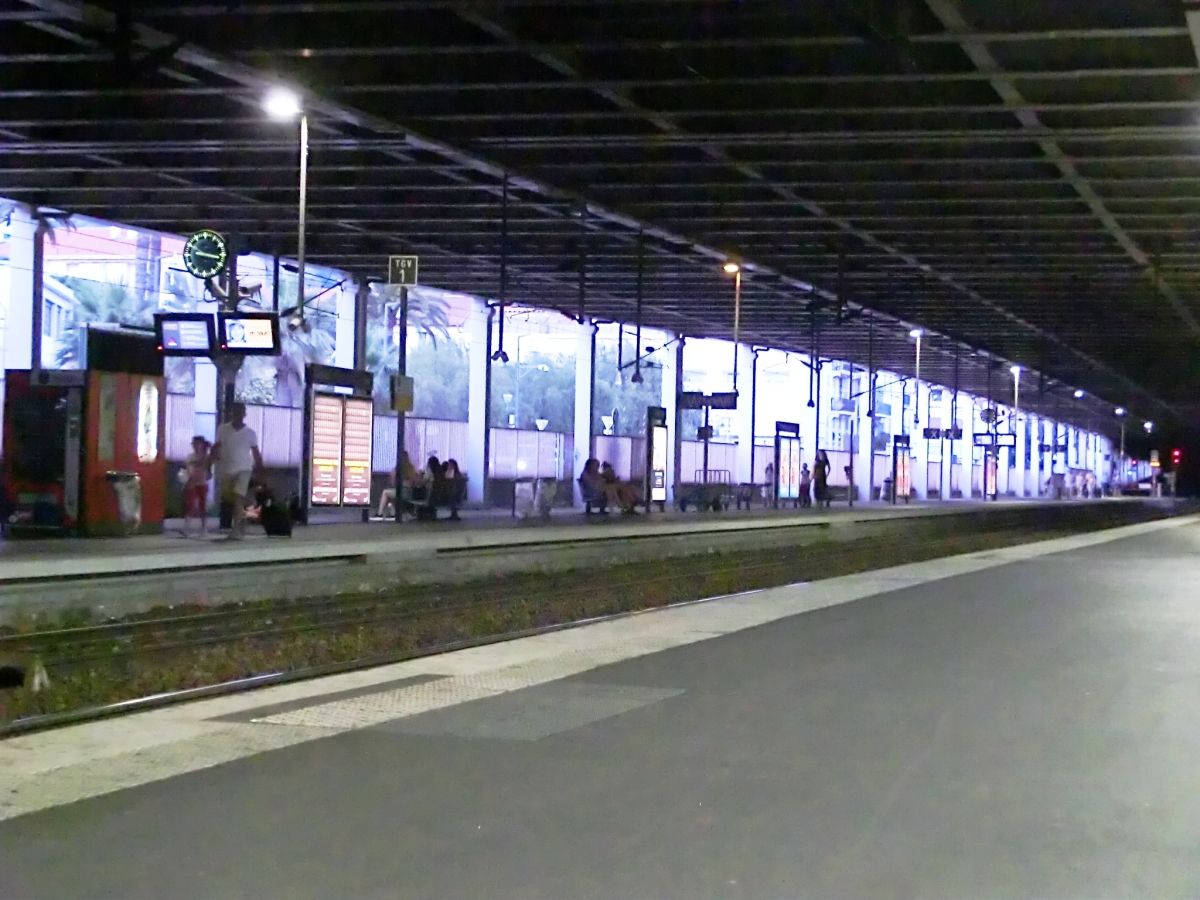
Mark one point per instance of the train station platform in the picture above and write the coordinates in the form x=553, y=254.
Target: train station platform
x=1013, y=723
x=57, y=559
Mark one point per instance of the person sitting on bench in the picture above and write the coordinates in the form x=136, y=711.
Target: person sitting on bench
x=592, y=488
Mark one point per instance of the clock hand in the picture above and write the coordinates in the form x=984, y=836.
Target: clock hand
x=206, y=255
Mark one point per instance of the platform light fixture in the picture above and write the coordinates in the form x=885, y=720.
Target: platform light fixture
x=283, y=104
x=734, y=269
x=1120, y=412
x=1148, y=426
x=916, y=334
x=1015, y=370
x=1079, y=394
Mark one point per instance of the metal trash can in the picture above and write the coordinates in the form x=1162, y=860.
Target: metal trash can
x=127, y=486
x=888, y=490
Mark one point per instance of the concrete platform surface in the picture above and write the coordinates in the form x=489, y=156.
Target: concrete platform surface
x=22, y=560
x=1016, y=723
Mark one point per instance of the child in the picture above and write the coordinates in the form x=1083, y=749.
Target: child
x=195, y=487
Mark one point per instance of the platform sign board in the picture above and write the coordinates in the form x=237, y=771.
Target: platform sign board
x=933, y=434
x=901, y=473
x=952, y=434
x=326, y=479
x=691, y=400
x=990, y=487
x=657, y=449
x=1155, y=460
x=402, y=270
x=1006, y=440
x=725, y=400
x=403, y=393
x=787, y=453
x=358, y=432
x=983, y=439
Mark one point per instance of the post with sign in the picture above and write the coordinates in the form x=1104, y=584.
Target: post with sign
x=656, y=457
x=402, y=271
x=787, y=463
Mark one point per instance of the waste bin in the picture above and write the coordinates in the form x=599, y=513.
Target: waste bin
x=127, y=486
x=888, y=494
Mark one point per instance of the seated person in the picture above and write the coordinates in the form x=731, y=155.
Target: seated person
x=592, y=488
x=622, y=495
x=408, y=478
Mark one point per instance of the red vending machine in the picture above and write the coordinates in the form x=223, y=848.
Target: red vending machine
x=76, y=441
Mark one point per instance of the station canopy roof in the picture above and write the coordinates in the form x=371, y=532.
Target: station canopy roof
x=1020, y=180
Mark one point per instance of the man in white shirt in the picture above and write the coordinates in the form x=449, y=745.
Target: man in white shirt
x=237, y=458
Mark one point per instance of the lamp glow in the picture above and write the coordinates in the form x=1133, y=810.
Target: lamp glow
x=1120, y=410
x=282, y=104
x=916, y=333
x=731, y=268
x=1078, y=394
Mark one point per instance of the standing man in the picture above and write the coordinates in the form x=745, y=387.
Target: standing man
x=237, y=458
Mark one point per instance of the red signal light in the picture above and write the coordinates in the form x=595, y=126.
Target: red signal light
x=1176, y=456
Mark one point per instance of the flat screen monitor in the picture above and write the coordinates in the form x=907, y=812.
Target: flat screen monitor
x=184, y=334
x=253, y=334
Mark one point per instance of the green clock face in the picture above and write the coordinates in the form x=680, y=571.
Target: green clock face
x=205, y=254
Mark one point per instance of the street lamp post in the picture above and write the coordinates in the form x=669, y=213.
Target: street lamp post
x=284, y=105
x=1120, y=414
x=917, y=333
x=732, y=268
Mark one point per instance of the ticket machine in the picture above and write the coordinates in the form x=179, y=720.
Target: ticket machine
x=76, y=440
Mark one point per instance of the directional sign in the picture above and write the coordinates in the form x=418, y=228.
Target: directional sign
x=691, y=400
x=952, y=434
x=402, y=270
x=901, y=440
x=723, y=401
x=984, y=439
x=1006, y=440
x=933, y=434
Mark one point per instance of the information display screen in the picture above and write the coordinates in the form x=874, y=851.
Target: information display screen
x=989, y=476
x=789, y=467
x=358, y=431
x=903, y=474
x=250, y=333
x=326, y=473
x=184, y=334
x=658, y=464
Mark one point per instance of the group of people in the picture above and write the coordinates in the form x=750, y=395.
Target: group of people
x=235, y=458
x=814, y=483
x=601, y=488
x=438, y=484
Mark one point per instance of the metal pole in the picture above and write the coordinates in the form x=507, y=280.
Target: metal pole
x=753, y=404
x=487, y=404
x=917, y=388
x=707, y=410
x=737, y=323
x=677, y=431
x=37, y=297
x=637, y=342
x=583, y=260
x=401, y=370
x=871, y=408
x=300, y=296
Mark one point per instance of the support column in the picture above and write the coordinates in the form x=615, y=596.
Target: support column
x=677, y=437
x=362, y=300
x=919, y=447
x=670, y=372
x=807, y=417
x=744, y=459
x=479, y=349
x=966, y=449
x=345, y=330
x=16, y=302
x=1019, y=471
x=863, y=433
x=585, y=394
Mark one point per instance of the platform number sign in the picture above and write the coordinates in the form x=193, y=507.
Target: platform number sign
x=402, y=270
